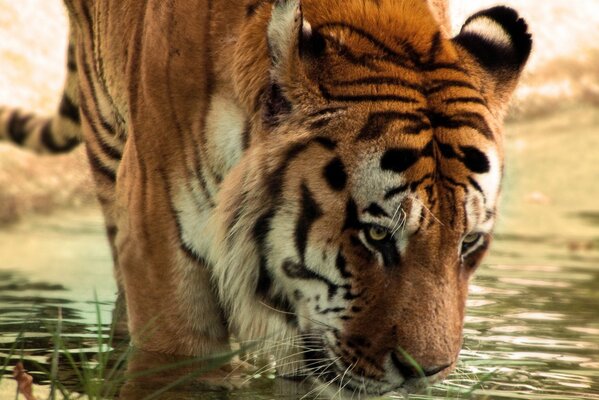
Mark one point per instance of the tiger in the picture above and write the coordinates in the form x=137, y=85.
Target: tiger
x=321, y=172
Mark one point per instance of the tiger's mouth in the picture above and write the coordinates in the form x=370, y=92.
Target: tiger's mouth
x=324, y=366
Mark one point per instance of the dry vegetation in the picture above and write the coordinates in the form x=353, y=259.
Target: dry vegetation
x=29, y=183
x=563, y=72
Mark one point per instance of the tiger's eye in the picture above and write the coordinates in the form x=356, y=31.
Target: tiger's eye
x=471, y=238
x=377, y=233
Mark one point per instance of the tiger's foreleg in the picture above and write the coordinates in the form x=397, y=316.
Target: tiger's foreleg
x=172, y=307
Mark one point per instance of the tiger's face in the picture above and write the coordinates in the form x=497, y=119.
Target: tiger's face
x=372, y=199
x=374, y=241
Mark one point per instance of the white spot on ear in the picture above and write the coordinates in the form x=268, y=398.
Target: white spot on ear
x=489, y=29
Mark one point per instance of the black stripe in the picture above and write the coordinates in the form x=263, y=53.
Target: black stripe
x=362, y=60
x=279, y=302
x=335, y=175
x=379, y=80
x=107, y=149
x=88, y=21
x=476, y=186
x=264, y=281
x=189, y=251
x=378, y=122
x=310, y=212
x=71, y=58
x=353, y=296
x=246, y=136
x=453, y=182
x=442, y=84
x=461, y=120
x=341, y=265
x=275, y=181
x=455, y=100
x=399, y=159
x=325, y=142
x=250, y=9
x=451, y=196
x=375, y=210
x=475, y=160
x=88, y=76
x=298, y=271
x=111, y=232
x=365, y=97
x=438, y=66
x=97, y=165
x=412, y=186
x=198, y=174
x=435, y=47
x=16, y=128
x=334, y=310
x=396, y=190
x=391, y=54
x=47, y=140
x=200, y=205
x=412, y=53
x=351, y=216
x=391, y=258
x=262, y=228
x=69, y=110
x=447, y=150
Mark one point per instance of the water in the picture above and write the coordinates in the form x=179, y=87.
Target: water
x=532, y=327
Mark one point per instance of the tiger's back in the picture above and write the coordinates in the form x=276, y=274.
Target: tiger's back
x=326, y=173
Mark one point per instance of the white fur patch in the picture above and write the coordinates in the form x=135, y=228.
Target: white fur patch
x=490, y=181
x=283, y=28
x=489, y=29
x=224, y=133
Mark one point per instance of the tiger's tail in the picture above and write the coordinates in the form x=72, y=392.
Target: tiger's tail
x=59, y=133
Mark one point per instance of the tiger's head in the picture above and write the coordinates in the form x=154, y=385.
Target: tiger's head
x=355, y=222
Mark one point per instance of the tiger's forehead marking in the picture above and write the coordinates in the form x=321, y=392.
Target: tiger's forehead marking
x=385, y=181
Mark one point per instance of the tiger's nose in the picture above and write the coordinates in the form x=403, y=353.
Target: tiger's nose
x=413, y=371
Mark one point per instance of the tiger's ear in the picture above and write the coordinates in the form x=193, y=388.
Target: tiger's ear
x=499, y=41
x=291, y=43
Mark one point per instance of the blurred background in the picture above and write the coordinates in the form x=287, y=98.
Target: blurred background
x=532, y=329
